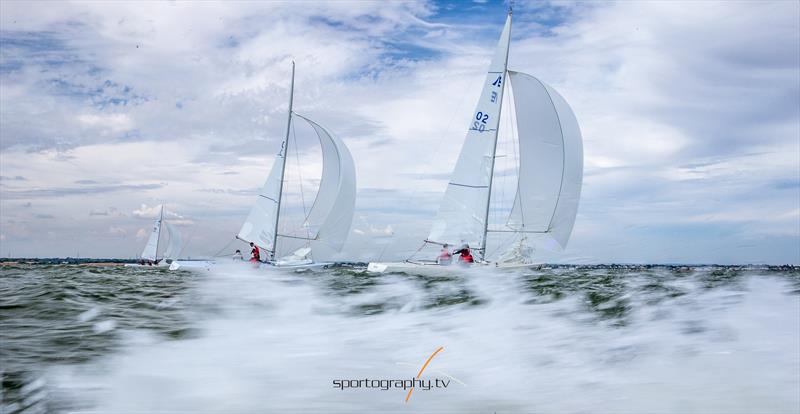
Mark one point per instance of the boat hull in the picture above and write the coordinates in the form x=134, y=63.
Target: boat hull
x=161, y=265
x=209, y=264
x=433, y=269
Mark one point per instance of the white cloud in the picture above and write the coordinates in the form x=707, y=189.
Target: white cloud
x=142, y=234
x=117, y=231
x=686, y=111
x=147, y=212
x=113, y=122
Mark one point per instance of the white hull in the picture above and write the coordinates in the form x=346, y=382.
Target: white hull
x=208, y=265
x=191, y=264
x=160, y=265
x=432, y=269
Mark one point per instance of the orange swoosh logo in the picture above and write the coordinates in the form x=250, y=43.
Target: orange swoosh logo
x=441, y=348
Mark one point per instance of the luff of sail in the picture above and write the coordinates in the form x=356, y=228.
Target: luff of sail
x=551, y=160
x=462, y=213
x=150, y=251
x=259, y=226
x=331, y=215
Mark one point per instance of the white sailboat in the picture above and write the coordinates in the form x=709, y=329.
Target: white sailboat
x=549, y=174
x=149, y=256
x=327, y=223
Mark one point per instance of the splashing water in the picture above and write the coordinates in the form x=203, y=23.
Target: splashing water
x=237, y=339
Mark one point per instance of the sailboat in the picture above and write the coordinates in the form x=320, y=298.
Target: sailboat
x=326, y=225
x=149, y=256
x=549, y=174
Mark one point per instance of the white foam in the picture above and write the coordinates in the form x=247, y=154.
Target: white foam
x=274, y=341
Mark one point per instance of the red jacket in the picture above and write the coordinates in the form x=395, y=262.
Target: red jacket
x=466, y=256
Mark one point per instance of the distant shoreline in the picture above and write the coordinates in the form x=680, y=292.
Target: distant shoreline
x=677, y=266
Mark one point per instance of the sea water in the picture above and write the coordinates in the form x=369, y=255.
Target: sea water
x=236, y=339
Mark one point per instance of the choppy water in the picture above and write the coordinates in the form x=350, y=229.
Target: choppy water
x=241, y=340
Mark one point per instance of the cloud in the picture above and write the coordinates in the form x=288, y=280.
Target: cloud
x=687, y=112
x=374, y=231
x=142, y=234
x=59, y=192
x=155, y=211
x=147, y=212
x=112, y=123
x=108, y=212
x=118, y=231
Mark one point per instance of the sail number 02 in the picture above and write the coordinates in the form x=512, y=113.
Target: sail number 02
x=480, y=121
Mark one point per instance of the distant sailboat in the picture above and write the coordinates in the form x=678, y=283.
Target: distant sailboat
x=149, y=256
x=327, y=222
x=550, y=171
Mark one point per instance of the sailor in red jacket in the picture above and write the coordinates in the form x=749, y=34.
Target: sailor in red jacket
x=255, y=256
x=466, y=256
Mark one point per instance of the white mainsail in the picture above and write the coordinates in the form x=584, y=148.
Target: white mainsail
x=150, y=251
x=463, y=212
x=331, y=215
x=259, y=226
x=551, y=161
x=175, y=241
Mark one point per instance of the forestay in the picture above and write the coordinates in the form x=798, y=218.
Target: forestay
x=550, y=163
x=462, y=213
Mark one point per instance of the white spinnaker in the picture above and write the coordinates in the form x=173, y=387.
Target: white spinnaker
x=150, y=251
x=462, y=213
x=550, y=160
x=331, y=215
x=175, y=241
x=259, y=226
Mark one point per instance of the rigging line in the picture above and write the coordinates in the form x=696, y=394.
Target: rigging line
x=468, y=186
x=218, y=254
x=425, y=243
x=289, y=236
x=440, y=139
x=504, y=184
x=517, y=161
x=183, y=248
x=501, y=246
x=380, y=257
x=316, y=127
x=300, y=175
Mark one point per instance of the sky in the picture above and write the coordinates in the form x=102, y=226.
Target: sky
x=689, y=111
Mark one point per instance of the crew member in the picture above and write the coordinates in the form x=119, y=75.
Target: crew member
x=238, y=255
x=255, y=256
x=445, y=258
x=466, y=256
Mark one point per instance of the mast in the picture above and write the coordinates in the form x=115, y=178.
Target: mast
x=494, y=148
x=284, y=149
x=160, y=222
